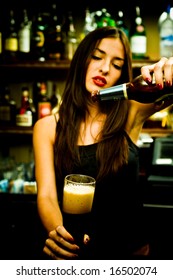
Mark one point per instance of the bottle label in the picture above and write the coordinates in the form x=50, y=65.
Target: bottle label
x=71, y=48
x=166, y=46
x=11, y=44
x=44, y=109
x=138, y=44
x=5, y=113
x=24, y=120
x=24, y=40
x=40, y=42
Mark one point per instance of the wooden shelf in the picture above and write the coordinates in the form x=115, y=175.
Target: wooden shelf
x=61, y=64
x=158, y=132
x=16, y=130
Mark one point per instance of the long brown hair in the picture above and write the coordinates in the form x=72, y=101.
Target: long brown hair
x=112, y=151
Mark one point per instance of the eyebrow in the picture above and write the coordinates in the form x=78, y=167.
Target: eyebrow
x=116, y=57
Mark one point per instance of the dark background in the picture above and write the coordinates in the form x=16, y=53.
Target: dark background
x=78, y=7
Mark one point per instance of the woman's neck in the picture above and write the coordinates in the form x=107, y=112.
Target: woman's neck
x=91, y=127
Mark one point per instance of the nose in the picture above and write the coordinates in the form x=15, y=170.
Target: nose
x=105, y=67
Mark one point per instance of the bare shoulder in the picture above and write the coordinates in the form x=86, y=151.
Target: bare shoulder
x=46, y=126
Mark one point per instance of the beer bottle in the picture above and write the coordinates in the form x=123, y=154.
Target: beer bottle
x=137, y=90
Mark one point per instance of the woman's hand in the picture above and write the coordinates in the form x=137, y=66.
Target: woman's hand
x=162, y=70
x=60, y=245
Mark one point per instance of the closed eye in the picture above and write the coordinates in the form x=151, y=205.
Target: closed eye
x=96, y=57
x=99, y=58
x=117, y=67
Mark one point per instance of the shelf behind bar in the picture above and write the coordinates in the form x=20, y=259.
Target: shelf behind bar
x=60, y=64
x=16, y=130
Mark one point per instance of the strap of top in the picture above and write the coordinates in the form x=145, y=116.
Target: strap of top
x=55, y=118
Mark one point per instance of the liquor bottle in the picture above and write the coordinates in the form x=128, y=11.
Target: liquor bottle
x=72, y=41
x=137, y=90
x=11, y=39
x=89, y=24
x=166, y=32
x=7, y=107
x=38, y=36
x=120, y=23
x=43, y=102
x=24, y=35
x=54, y=43
x=138, y=37
x=26, y=112
x=103, y=18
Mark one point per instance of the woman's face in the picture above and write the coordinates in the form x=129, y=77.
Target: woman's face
x=105, y=67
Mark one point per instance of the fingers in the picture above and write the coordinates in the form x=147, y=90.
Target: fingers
x=65, y=241
x=86, y=239
x=57, y=251
x=60, y=245
x=63, y=232
x=168, y=71
x=162, y=70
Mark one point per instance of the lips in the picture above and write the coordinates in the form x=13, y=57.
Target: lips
x=99, y=81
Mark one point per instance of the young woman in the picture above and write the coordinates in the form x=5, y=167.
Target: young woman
x=98, y=139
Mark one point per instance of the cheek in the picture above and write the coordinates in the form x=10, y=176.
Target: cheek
x=115, y=78
x=88, y=75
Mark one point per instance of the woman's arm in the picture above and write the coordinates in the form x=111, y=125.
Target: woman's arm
x=138, y=112
x=47, y=199
x=59, y=244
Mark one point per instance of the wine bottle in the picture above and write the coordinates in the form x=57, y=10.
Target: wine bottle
x=7, y=107
x=166, y=32
x=120, y=23
x=72, y=40
x=55, y=45
x=138, y=38
x=43, y=104
x=24, y=37
x=11, y=39
x=26, y=112
x=137, y=90
x=38, y=37
x=89, y=23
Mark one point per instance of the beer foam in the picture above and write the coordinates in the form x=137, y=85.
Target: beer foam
x=77, y=199
x=80, y=189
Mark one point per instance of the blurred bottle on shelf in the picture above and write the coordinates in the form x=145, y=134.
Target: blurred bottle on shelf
x=11, y=39
x=43, y=101
x=7, y=107
x=103, y=18
x=54, y=40
x=26, y=113
x=138, y=37
x=24, y=36
x=89, y=24
x=71, y=41
x=38, y=37
x=120, y=23
x=165, y=23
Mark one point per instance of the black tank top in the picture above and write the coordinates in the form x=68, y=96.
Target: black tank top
x=117, y=226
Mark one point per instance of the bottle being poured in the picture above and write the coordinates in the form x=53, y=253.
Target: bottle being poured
x=137, y=90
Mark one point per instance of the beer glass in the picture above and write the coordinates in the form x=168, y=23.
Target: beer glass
x=78, y=194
